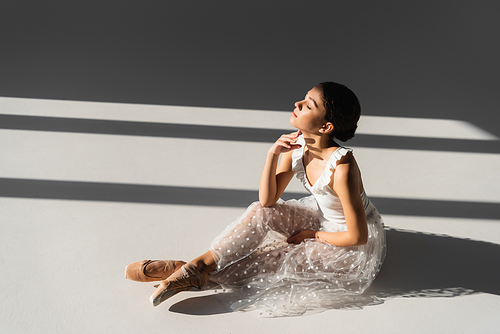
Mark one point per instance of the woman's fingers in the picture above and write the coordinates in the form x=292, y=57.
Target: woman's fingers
x=300, y=236
x=290, y=138
x=292, y=238
x=289, y=144
x=293, y=135
x=286, y=143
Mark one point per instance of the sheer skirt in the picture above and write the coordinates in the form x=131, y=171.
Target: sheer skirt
x=255, y=261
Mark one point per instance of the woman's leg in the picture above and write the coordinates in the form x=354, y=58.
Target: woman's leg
x=258, y=227
x=240, y=239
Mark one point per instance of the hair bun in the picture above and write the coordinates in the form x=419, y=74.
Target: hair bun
x=342, y=110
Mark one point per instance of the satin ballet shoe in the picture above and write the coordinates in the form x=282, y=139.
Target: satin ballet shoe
x=137, y=271
x=191, y=280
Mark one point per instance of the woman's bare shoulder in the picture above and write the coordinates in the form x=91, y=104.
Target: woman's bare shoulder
x=347, y=172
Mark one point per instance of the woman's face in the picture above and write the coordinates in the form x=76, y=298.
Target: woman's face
x=309, y=113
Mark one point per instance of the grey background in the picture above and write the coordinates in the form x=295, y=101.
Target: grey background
x=432, y=59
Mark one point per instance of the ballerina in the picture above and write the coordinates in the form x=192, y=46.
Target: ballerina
x=289, y=257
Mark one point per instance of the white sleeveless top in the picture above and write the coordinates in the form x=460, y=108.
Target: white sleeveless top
x=328, y=201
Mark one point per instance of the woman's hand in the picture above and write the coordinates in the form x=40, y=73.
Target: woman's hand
x=286, y=143
x=300, y=236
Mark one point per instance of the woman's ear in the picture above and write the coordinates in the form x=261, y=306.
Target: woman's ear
x=326, y=128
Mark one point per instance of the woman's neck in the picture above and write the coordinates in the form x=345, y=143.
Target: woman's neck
x=320, y=145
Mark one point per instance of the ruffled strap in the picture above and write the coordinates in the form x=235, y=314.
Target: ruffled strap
x=324, y=180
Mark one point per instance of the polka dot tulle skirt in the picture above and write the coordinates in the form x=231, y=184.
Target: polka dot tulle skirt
x=265, y=272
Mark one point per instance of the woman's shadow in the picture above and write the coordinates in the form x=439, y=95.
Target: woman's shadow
x=418, y=265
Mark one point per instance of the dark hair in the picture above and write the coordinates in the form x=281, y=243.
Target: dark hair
x=342, y=109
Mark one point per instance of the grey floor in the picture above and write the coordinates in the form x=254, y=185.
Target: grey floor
x=84, y=194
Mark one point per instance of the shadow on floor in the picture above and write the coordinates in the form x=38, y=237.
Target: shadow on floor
x=138, y=193
x=418, y=265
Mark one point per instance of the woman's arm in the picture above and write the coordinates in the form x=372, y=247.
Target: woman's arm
x=274, y=178
x=347, y=185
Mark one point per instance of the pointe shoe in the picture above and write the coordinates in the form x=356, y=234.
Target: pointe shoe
x=192, y=280
x=137, y=271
